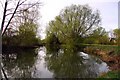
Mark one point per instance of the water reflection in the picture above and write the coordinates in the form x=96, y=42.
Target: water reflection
x=69, y=63
x=19, y=64
x=40, y=65
x=52, y=63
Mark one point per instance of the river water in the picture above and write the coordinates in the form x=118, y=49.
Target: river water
x=45, y=63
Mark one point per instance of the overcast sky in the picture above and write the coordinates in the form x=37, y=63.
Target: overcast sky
x=108, y=10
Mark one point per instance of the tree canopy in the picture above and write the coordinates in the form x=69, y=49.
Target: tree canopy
x=98, y=36
x=27, y=34
x=75, y=21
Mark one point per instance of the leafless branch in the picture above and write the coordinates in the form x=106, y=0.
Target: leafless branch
x=11, y=17
x=17, y=12
x=3, y=20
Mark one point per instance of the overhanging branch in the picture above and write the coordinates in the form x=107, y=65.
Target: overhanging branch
x=11, y=17
x=3, y=20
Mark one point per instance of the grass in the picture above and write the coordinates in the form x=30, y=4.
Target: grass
x=111, y=74
x=106, y=48
x=114, y=48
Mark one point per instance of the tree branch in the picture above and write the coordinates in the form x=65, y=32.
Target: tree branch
x=83, y=22
x=11, y=17
x=18, y=4
x=91, y=24
x=3, y=20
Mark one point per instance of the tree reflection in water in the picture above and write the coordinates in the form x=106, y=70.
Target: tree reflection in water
x=67, y=63
x=53, y=62
x=20, y=64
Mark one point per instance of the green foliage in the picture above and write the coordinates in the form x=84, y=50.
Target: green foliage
x=101, y=35
x=10, y=40
x=25, y=36
x=90, y=40
x=52, y=39
x=23, y=62
x=73, y=24
x=98, y=36
x=117, y=35
x=108, y=48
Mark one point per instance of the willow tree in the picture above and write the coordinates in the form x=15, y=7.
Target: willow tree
x=74, y=23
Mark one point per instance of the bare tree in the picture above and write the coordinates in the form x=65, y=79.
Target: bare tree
x=9, y=14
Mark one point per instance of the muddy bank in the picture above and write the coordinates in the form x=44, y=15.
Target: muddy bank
x=109, y=57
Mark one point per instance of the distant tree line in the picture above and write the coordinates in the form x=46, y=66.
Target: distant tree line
x=76, y=24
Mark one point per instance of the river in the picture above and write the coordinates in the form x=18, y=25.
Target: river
x=45, y=63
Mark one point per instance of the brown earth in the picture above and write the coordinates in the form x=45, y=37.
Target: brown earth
x=112, y=60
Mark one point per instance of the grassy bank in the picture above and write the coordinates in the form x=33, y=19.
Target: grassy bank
x=109, y=54
x=115, y=49
x=110, y=74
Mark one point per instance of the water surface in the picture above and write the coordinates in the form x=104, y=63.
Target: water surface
x=56, y=63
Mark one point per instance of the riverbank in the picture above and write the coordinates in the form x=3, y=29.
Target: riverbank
x=107, y=53
x=14, y=48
